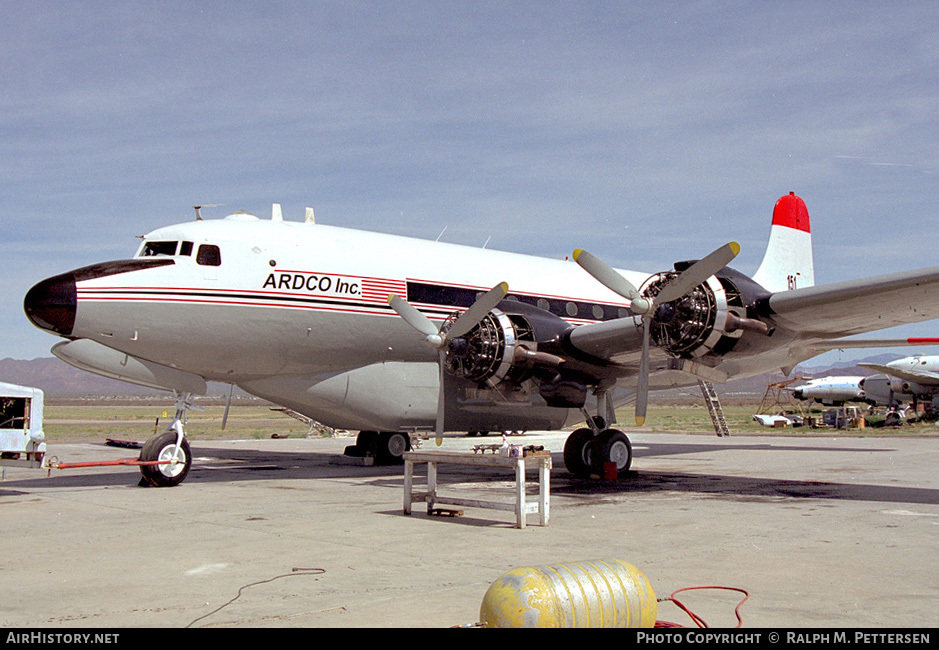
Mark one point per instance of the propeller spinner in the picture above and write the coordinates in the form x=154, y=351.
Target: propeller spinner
x=441, y=340
x=642, y=305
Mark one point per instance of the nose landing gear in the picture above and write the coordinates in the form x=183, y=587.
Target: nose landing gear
x=168, y=453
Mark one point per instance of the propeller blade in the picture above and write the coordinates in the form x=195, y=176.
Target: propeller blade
x=463, y=324
x=438, y=424
x=478, y=310
x=414, y=318
x=698, y=273
x=642, y=384
x=611, y=279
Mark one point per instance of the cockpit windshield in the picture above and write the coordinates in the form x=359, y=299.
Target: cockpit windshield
x=206, y=255
x=152, y=248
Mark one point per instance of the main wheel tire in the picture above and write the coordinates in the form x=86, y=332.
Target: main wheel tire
x=611, y=446
x=162, y=447
x=391, y=447
x=367, y=442
x=577, y=452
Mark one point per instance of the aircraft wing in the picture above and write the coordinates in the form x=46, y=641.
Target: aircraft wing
x=819, y=316
x=856, y=306
x=924, y=378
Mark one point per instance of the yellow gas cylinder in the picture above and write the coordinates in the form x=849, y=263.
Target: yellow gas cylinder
x=595, y=593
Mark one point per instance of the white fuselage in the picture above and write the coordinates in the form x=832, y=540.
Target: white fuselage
x=292, y=298
x=298, y=313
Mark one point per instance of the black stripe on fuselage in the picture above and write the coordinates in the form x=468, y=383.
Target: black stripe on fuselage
x=450, y=296
x=432, y=297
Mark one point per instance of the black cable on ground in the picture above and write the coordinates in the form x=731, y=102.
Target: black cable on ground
x=296, y=571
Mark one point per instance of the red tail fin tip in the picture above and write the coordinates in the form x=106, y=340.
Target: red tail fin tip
x=790, y=211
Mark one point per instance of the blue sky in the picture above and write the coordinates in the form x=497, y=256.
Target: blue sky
x=645, y=132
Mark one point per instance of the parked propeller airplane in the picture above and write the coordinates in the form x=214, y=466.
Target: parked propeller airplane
x=837, y=390
x=390, y=335
x=914, y=378
x=910, y=379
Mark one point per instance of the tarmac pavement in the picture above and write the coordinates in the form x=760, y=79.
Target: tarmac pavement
x=823, y=531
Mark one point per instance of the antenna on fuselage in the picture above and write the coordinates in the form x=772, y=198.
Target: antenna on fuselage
x=309, y=216
x=198, y=208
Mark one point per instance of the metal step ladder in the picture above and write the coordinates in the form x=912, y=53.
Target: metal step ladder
x=714, y=408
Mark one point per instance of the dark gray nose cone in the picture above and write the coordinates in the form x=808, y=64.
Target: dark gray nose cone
x=50, y=305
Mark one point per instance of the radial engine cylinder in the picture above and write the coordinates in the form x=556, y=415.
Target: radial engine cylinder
x=595, y=593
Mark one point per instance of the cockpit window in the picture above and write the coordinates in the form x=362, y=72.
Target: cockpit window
x=209, y=255
x=185, y=248
x=152, y=248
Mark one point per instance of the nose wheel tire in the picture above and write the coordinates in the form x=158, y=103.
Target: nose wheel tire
x=163, y=448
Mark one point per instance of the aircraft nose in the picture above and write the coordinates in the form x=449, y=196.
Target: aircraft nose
x=50, y=305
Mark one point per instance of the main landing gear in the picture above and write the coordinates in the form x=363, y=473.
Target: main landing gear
x=386, y=447
x=587, y=451
x=167, y=454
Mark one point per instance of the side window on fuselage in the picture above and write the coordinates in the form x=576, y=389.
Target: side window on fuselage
x=209, y=255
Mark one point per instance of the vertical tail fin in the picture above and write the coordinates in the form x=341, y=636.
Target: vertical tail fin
x=788, y=262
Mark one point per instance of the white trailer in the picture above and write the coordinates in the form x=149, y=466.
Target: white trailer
x=22, y=441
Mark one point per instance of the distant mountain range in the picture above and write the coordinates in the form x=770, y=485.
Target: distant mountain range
x=58, y=379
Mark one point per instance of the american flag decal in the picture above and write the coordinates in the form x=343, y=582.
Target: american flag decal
x=378, y=289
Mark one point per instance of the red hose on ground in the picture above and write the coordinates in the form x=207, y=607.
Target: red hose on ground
x=694, y=617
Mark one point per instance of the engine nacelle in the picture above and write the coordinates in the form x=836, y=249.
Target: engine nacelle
x=487, y=353
x=503, y=347
x=907, y=387
x=709, y=318
x=877, y=388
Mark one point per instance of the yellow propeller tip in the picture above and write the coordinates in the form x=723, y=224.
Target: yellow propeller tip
x=504, y=285
x=577, y=253
x=640, y=421
x=439, y=441
x=735, y=247
x=391, y=297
